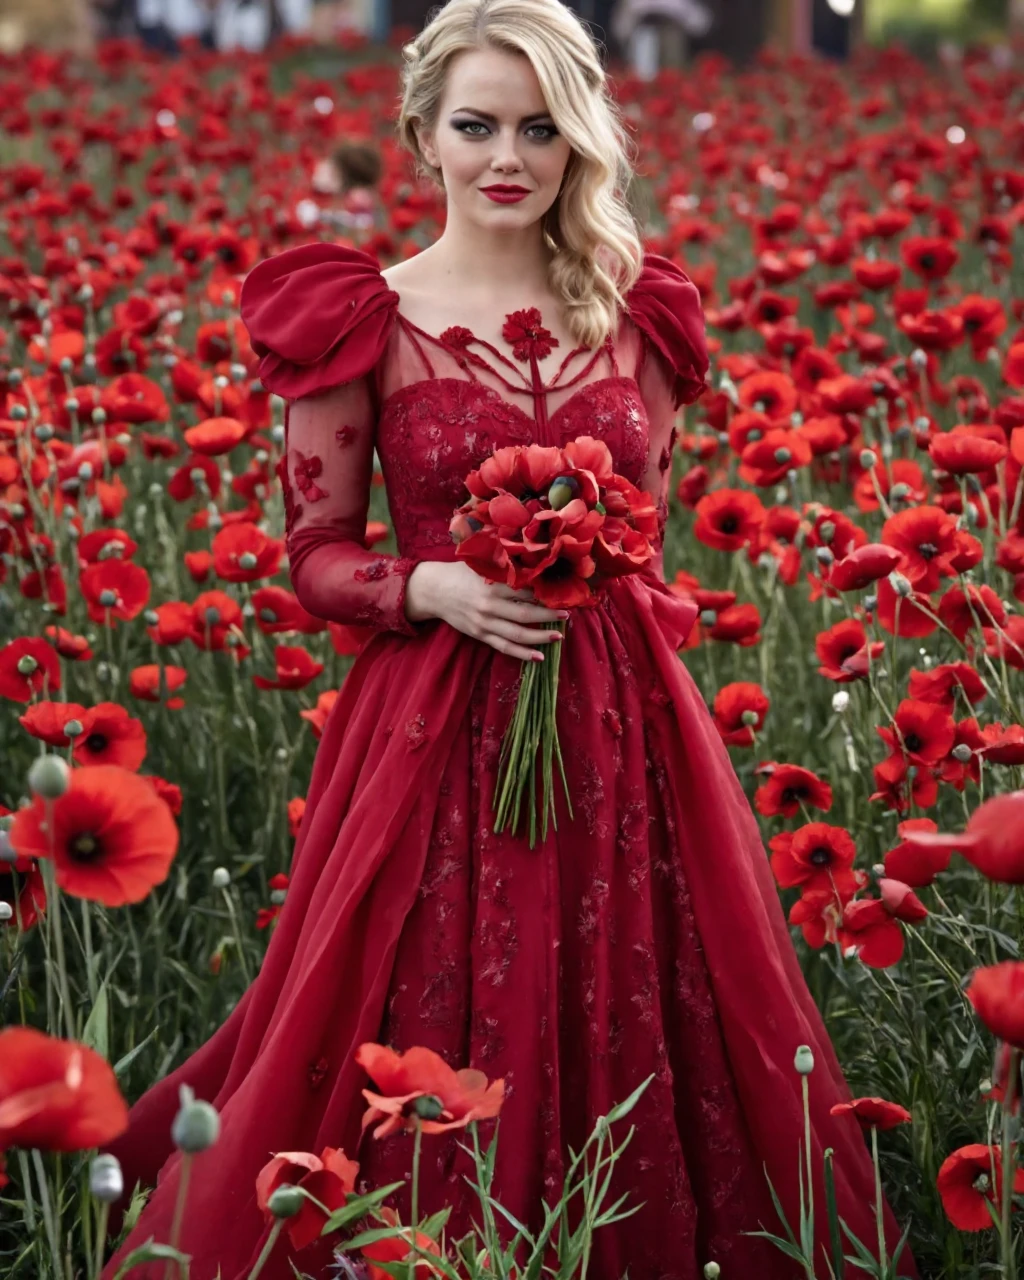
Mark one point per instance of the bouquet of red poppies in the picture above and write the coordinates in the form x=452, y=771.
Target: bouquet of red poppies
x=562, y=523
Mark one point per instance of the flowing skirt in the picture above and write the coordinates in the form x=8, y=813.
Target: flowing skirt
x=643, y=938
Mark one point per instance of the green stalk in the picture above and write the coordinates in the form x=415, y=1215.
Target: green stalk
x=267, y=1249
x=883, y=1262
x=1009, y=1155
x=179, y=1213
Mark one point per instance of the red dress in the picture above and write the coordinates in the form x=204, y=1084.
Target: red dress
x=644, y=937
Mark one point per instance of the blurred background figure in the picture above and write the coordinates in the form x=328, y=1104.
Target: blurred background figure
x=656, y=33
x=350, y=180
x=53, y=24
x=253, y=24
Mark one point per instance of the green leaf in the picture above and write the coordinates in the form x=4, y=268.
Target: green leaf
x=122, y=1064
x=95, y=1033
x=151, y=1252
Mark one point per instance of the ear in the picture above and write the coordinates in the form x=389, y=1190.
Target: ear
x=425, y=139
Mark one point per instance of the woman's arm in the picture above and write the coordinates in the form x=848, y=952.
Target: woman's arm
x=656, y=391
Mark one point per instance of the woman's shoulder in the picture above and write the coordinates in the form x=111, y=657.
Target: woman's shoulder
x=665, y=305
x=318, y=316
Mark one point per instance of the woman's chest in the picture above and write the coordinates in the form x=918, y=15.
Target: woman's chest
x=431, y=434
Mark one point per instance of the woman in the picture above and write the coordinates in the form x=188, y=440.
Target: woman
x=642, y=938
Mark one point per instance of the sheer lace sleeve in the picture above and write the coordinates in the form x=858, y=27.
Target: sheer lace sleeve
x=326, y=475
x=319, y=317
x=665, y=306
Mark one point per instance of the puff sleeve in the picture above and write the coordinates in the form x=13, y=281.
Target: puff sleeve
x=319, y=318
x=665, y=306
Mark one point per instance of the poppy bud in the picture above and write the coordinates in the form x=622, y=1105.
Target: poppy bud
x=749, y=718
x=285, y=1201
x=18, y=412
x=867, y=459
x=708, y=617
x=782, y=456
x=870, y=603
x=919, y=358
x=221, y=877
x=49, y=777
x=211, y=615
x=220, y=382
x=428, y=1107
x=108, y=598
x=899, y=492
x=106, y=1182
x=840, y=701
x=44, y=432
x=247, y=560
x=962, y=752
x=562, y=491
x=827, y=531
x=73, y=728
x=26, y=665
x=900, y=584
x=824, y=556
x=197, y=1124
x=804, y=1060
x=277, y=434
x=14, y=379
x=712, y=1271
x=6, y=912
x=86, y=292
x=754, y=435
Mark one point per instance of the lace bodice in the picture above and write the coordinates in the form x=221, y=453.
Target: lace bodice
x=360, y=376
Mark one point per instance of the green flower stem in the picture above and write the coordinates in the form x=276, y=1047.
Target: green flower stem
x=236, y=929
x=883, y=1262
x=101, y=1238
x=1009, y=1156
x=179, y=1213
x=415, y=1215
x=267, y=1249
x=48, y=867
x=48, y=1216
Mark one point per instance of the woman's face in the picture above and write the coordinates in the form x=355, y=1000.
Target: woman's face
x=493, y=129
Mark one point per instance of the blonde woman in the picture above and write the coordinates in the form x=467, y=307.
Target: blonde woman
x=643, y=937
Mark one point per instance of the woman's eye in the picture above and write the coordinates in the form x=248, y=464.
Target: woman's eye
x=465, y=125
x=548, y=131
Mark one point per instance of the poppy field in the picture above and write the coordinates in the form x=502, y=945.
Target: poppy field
x=847, y=511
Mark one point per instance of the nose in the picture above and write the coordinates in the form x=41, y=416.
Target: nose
x=506, y=158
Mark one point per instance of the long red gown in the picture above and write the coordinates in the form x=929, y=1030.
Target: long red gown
x=644, y=937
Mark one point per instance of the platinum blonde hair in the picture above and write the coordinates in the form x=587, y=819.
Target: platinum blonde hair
x=596, y=249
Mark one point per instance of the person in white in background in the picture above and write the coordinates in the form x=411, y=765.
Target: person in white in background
x=636, y=26
x=250, y=24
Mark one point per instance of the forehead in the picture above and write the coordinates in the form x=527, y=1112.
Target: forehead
x=491, y=80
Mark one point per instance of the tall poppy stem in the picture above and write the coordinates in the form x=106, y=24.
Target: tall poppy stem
x=57, y=929
x=879, y=1209
x=179, y=1213
x=267, y=1249
x=1009, y=1155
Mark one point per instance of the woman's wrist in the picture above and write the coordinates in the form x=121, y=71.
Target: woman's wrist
x=420, y=592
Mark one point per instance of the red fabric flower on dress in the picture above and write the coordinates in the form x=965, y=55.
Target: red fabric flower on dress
x=458, y=336
x=527, y=335
x=306, y=471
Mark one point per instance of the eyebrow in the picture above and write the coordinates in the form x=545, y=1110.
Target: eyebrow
x=486, y=115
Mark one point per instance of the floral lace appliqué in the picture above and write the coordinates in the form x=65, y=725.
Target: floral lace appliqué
x=523, y=329
x=306, y=469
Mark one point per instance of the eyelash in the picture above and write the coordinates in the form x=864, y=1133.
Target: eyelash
x=463, y=125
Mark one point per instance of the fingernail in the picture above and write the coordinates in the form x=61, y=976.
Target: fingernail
x=557, y=635
x=538, y=657
x=563, y=615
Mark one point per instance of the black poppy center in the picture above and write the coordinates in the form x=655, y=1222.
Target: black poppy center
x=928, y=550
x=912, y=742
x=793, y=795
x=559, y=570
x=729, y=524
x=96, y=742
x=820, y=857
x=927, y=261
x=85, y=847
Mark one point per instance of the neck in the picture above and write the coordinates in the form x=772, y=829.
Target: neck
x=469, y=256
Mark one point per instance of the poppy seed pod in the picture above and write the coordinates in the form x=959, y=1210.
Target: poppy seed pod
x=106, y=1182
x=26, y=665
x=562, y=491
x=48, y=777
x=900, y=585
x=221, y=877
x=197, y=1124
x=712, y=1271
x=73, y=728
x=6, y=912
x=428, y=1107
x=804, y=1060
x=286, y=1201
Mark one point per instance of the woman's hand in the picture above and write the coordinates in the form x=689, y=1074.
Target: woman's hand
x=506, y=619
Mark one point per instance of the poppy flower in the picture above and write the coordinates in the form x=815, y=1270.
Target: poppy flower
x=295, y=669
x=873, y=1113
x=113, y=837
x=923, y=731
x=75, y=648
x=970, y=1186
x=787, y=787
x=728, y=519
x=815, y=857
x=451, y=1099
x=317, y=717
x=931, y=257
x=56, y=1095
x=770, y=393
x=215, y=617
x=28, y=666
x=962, y=610
x=739, y=624
x=909, y=616
x=110, y=736
x=144, y=683
x=926, y=537
x=329, y=1178
x=397, y=1249
x=963, y=452
x=296, y=810
x=873, y=931
x=278, y=885
x=914, y=864
x=114, y=589
x=739, y=711
x=993, y=842
x=173, y=623
x=766, y=461
x=863, y=566
x=278, y=609
x=997, y=993
x=215, y=436
x=818, y=914
x=243, y=553
x=943, y=683
x=46, y=721
x=844, y=652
